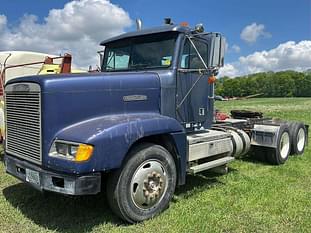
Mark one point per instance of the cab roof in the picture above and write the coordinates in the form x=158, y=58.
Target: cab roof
x=165, y=28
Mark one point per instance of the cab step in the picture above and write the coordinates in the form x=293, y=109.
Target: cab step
x=212, y=164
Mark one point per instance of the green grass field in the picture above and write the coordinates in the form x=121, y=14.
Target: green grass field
x=252, y=197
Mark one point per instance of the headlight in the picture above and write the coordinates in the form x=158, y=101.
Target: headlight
x=77, y=152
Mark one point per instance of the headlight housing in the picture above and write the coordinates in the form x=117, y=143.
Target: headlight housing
x=77, y=152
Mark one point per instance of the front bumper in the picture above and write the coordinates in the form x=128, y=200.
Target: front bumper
x=56, y=182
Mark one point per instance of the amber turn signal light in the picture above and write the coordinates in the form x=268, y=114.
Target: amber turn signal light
x=84, y=153
x=211, y=79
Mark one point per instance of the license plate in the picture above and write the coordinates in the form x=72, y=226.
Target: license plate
x=32, y=176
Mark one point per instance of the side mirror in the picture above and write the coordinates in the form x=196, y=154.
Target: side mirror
x=217, y=44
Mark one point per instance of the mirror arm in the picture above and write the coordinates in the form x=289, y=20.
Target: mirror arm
x=213, y=70
x=197, y=51
x=189, y=91
x=198, y=79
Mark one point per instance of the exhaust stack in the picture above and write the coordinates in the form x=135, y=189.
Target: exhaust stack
x=138, y=24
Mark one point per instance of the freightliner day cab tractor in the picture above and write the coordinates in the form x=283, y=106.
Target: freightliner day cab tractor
x=142, y=123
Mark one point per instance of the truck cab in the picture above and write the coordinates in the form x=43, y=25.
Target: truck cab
x=182, y=58
x=136, y=128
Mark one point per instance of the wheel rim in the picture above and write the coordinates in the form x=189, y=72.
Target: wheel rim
x=301, y=139
x=284, y=145
x=149, y=183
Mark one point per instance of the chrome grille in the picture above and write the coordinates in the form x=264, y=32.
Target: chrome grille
x=23, y=121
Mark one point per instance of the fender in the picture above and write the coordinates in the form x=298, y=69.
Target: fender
x=112, y=136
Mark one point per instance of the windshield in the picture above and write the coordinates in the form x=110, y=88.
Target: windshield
x=144, y=52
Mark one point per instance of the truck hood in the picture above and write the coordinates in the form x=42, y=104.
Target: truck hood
x=76, y=97
x=92, y=81
x=71, y=99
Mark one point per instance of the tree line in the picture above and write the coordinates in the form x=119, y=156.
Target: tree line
x=269, y=84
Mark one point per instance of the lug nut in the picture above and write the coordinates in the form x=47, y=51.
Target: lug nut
x=146, y=193
x=154, y=174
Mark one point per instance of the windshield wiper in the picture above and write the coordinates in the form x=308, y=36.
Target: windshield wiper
x=139, y=65
x=142, y=65
x=108, y=68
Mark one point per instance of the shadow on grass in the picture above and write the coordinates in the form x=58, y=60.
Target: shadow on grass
x=61, y=213
x=253, y=160
x=256, y=159
x=81, y=214
x=198, y=183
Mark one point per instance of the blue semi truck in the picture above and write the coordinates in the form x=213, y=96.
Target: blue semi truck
x=139, y=126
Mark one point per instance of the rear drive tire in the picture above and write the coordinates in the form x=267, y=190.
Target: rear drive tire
x=143, y=187
x=279, y=155
x=298, y=137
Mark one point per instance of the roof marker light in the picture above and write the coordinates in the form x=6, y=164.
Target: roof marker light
x=184, y=24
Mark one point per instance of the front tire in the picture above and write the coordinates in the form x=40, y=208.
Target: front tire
x=144, y=185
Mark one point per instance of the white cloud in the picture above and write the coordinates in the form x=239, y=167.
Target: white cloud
x=252, y=32
x=286, y=56
x=228, y=70
x=226, y=46
x=231, y=49
x=78, y=28
x=236, y=48
x=3, y=22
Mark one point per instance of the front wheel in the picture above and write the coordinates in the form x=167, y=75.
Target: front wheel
x=144, y=186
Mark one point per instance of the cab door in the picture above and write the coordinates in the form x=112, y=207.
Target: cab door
x=192, y=84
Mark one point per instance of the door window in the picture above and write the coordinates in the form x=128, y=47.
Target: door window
x=190, y=58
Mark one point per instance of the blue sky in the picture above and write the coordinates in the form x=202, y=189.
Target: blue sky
x=271, y=22
x=284, y=19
